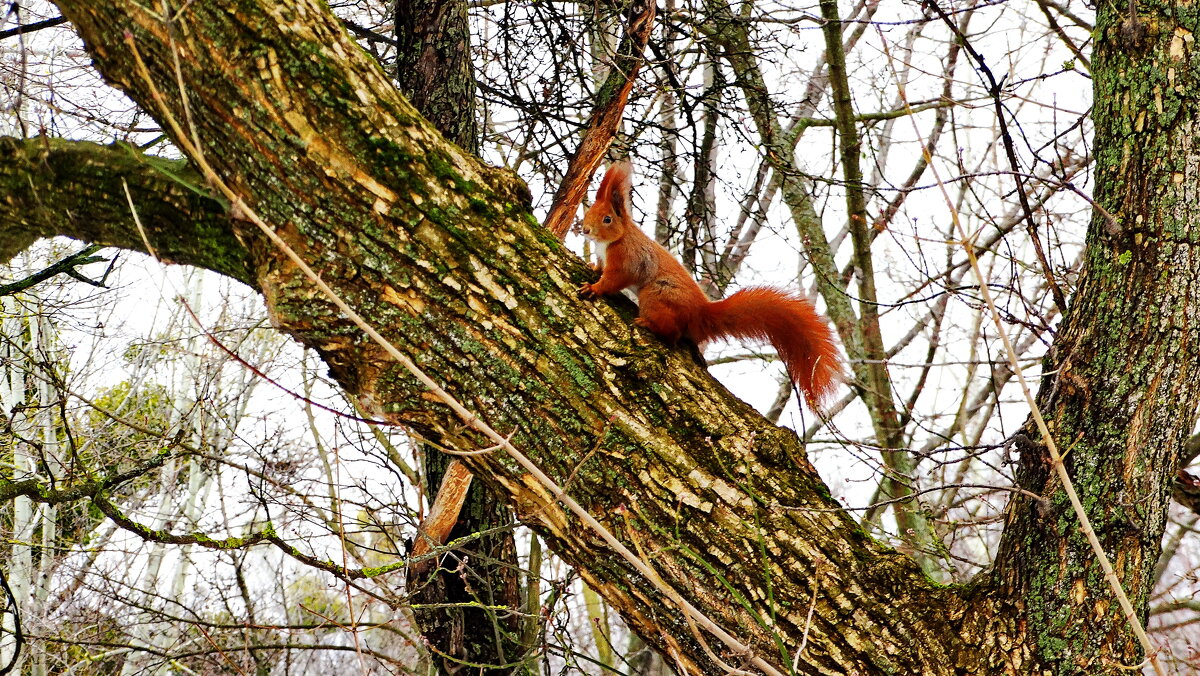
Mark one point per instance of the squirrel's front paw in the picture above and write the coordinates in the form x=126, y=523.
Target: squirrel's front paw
x=587, y=292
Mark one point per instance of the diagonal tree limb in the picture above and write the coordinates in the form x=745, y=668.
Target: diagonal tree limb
x=441, y=253
x=28, y=28
x=65, y=266
x=73, y=188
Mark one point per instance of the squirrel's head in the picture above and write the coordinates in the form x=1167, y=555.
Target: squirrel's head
x=609, y=215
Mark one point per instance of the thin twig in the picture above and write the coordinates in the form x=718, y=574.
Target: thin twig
x=32, y=27
x=995, y=88
x=65, y=266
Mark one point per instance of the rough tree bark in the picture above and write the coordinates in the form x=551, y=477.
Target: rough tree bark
x=443, y=256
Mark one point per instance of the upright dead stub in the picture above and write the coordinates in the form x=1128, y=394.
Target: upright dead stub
x=443, y=514
x=605, y=119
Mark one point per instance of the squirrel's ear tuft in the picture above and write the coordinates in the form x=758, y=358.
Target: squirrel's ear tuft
x=606, y=186
x=619, y=181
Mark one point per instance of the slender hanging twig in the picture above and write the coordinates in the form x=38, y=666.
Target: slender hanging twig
x=994, y=89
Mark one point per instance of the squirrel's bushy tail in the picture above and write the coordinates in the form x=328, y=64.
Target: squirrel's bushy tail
x=803, y=338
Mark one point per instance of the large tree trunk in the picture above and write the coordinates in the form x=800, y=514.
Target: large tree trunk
x=442, y=256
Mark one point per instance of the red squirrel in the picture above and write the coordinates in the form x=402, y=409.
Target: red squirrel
x=671, y=304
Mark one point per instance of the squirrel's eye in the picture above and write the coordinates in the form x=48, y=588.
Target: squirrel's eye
x=608, y=219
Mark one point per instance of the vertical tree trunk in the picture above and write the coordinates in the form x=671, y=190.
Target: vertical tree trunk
x=42, y=340
x=1124, y=368
x=460, y=596
x=14, y=397
x=668, y=147
x=434, y=71
x=698, y=243
x=433, y=66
